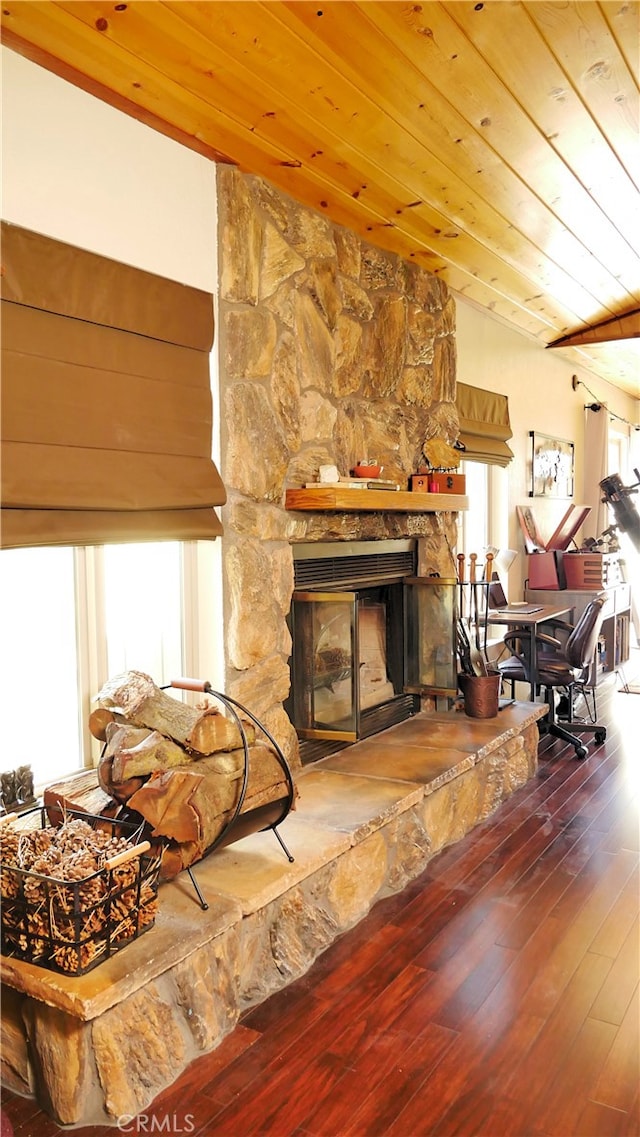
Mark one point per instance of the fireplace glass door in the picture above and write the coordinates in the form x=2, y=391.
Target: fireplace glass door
x=430, y=619
x=346, y=658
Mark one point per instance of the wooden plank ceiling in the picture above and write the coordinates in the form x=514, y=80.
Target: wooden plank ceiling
x=495, y=143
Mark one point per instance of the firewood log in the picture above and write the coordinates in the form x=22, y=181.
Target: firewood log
x=83, y=792
x=135, y=696
x=99, y=721
x=193, y=804
x=121, y=791
x=136, y=751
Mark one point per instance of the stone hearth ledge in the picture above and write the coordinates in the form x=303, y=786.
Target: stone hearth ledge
x=368, y=820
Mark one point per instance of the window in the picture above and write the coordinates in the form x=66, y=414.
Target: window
x=486, y=522
x=484, y=525
x=473, y=523
x=72, y=618
x=618, y=454
x=38, y=661
x=484, y=431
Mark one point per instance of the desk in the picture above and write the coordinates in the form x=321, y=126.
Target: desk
x=613, y=649
x=530, y=622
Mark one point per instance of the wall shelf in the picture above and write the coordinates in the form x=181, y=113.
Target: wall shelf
x=331, y=497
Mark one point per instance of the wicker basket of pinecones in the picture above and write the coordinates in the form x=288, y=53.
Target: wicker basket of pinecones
x=76, y=891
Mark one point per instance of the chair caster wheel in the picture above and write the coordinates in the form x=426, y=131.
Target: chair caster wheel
x=581, y=752
x=600, y=736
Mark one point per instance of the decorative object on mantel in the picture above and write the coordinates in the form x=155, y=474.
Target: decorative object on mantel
x=440, y=455
x=365, y=475
x=367, y=468
x=356, y=484
x=328, y=475
x=438, y=481
x=438, y=476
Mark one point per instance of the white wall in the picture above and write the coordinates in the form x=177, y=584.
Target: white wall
x=80, y=171
x=538, y=384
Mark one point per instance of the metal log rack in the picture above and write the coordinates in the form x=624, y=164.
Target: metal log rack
x=264, y=817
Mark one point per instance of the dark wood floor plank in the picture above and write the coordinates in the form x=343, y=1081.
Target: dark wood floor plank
x=577, y=1069
x=523, y=847
x=495, y=1029
x=572, y=900
x=600, y=1121
x=284, y=1099
x=379, y=1014
x=414, y=1058
x=371, y=1070
x=617, y=1085
x=472, y=993
x=469, y=954
x=291, y=1033
x=556, y=971
x=619, y=921
x=364, y=954
x=516, y=982
x=619, y=986
x=185, y=1101
x=540, y=890
x=330, y=973
x=18, y=1109
x=482, y=1096
x=310, y=1034
x=210, y=1065
x=565, y=1017
x=439, y=937
x=489, y=1046
x=39, y=1125
x=501, y=1117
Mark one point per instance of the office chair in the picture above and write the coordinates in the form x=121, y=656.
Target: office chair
x=568, y=666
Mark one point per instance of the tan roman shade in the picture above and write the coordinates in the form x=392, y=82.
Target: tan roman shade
x=484, y=425
x=106, y=401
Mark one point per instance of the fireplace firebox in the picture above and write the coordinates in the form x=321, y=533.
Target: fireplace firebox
x=368, y=638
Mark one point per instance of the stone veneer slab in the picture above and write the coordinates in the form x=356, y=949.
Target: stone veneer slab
x=459, y=732
x=356, y=804
x=431, y=767
x=255, y=871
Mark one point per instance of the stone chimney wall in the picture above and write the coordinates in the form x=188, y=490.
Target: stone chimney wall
x=331, y=350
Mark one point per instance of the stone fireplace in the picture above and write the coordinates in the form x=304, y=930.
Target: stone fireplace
x=331, y=350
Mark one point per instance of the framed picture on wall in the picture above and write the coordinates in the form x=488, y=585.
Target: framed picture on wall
x=551, y=466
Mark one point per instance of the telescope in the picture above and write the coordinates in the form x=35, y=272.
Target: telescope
x=618, y=496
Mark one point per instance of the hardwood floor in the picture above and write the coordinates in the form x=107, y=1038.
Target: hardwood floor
x=496, y=996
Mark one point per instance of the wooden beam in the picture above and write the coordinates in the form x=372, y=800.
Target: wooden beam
x=620, y=328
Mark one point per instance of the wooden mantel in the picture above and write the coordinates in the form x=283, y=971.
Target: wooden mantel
x=333, y=497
